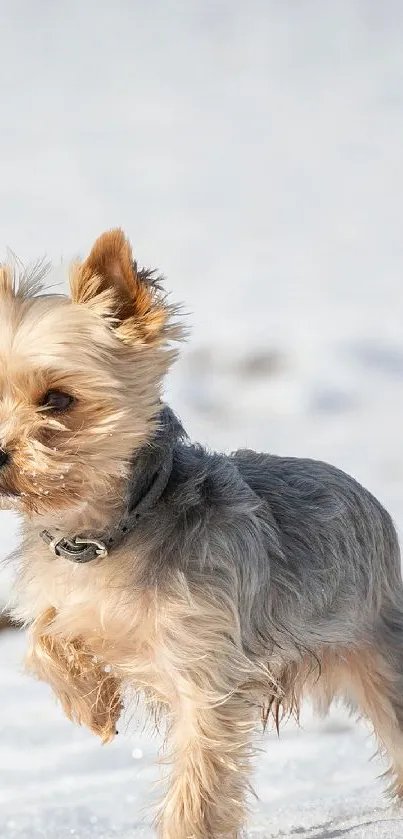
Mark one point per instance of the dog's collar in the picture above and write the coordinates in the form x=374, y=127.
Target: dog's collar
x=76, y=548
x=151, y=472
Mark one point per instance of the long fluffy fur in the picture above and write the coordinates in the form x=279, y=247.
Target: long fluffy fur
x=254, y=579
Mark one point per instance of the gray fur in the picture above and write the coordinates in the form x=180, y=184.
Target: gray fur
x=312, y=557
x=247, y=581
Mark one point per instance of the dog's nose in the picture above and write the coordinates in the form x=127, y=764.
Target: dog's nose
x=4, y=458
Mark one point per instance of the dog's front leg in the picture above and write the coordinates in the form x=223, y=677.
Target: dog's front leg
x=206, y=795
x=88, y=693
x=212, y=721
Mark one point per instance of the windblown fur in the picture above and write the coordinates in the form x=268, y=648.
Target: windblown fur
x=251, y=581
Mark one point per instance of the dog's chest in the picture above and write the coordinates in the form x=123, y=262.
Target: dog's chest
x=97, y=599
x=119, y=622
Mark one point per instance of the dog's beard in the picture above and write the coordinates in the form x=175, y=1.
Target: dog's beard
x=74, y=467
x=107, y=349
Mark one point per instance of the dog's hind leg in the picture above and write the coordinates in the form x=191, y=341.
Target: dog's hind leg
x=370, y=677
x=382, y=682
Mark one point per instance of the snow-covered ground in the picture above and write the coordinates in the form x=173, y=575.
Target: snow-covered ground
x=253, y=151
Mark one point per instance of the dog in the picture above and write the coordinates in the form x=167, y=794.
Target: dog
x=221, y=588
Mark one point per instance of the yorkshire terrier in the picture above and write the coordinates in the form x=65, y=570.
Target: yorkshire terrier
x=222, y=588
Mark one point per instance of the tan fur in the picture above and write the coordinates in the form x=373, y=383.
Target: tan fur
x=88, y=694
x=6, y=280
x=173, y=651
x=363, y=678
x=97, y=633
x=117, y=372
x=109, y=280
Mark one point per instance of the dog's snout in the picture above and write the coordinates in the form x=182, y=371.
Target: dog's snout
x=4, y=458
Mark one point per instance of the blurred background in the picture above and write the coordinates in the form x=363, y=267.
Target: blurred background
x=252, y=151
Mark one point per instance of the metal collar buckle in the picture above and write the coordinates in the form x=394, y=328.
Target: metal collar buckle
x=77, y=549
x=100, y=549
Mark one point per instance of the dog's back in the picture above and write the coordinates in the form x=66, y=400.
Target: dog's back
x=339, y=544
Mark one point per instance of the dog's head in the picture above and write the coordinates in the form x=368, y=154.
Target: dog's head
x=80, y=379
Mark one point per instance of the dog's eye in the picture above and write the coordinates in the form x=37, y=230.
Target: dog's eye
x=57, y=402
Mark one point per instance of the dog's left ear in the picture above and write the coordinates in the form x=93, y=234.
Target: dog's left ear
x=110, y=282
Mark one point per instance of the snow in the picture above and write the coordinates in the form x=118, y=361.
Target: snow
x=252, y=152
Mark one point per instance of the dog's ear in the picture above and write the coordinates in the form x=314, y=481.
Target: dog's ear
x=130, y=299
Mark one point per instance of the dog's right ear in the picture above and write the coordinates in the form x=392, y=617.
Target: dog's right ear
x=110, y=283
